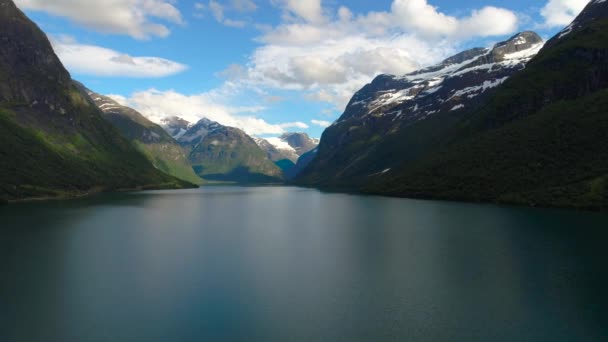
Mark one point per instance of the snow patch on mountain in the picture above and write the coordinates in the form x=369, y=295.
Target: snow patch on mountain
x=527, y=53
x=442, y=87
x=280, y=144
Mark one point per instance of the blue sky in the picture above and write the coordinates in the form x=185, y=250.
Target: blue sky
x=269, y=66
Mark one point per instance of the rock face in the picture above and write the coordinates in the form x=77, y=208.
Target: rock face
x=290, y=146
x=220, y=153
x=151, y=139
x=277, y=150
x=300, y=142
x=392, y=103
x=53, y=139
x=31, y=72
x=287, y=150
x=451, y=85
x=175, y=126
x=538, y=139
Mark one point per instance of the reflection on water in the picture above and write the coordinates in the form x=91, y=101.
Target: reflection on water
x=289, y=264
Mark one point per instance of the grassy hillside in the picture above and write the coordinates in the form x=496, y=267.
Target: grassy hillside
x=53, y=140
x=228, y=154
x=150, y=139
x=38, y=164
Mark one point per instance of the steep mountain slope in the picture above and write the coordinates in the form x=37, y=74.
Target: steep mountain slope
x=300, y=142
x=369, y=138
x=302, y=164
x=53, y=139
x=539, y=140
x=220, y=153
x=152, y=140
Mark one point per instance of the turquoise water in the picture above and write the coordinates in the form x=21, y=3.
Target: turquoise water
x=290, y=264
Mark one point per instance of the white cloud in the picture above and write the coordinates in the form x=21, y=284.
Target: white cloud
x=297, y=124
x=321, y=123
x=137, y=18
x=332, y=70
x=561, y=12
x=156, y=105
x=425, y=19
x=100, y=61
x=330, y=54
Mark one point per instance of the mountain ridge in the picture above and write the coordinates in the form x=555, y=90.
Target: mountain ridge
x=350, y=148
x=54, y=142
x=227, y=154
x=151, y=139
x=538, y=139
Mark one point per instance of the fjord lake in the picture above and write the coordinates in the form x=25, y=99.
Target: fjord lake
x=290, y=264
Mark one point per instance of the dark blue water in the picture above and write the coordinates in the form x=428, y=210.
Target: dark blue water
x=289, y=264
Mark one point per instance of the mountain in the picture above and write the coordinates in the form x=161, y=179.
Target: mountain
x=286, y=150
x=300, y=142
x=350, y=149
x=53, y=139
x=151, y=139
x=221, y=153
x=175, y=126
x=277, y=150
x=301, y=165
x=539, y=139
x=289, y=146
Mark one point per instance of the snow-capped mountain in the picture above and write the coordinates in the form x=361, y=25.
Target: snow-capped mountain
x=289, y=146
x=449, y=86
x=443, y=133
x=390, y=104
x=175, y=126
x=221, y=153
x=277, y=149
x=195, y=133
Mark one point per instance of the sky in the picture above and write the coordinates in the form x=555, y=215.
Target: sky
x=270, y=66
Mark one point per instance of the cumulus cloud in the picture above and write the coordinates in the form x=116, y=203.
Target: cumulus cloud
x=321, y=123
x=329, y=54
x=427, y=20
x=561, y=12
x=100, y=61
x=332, y=70
x=157, y=104
x=137, y=18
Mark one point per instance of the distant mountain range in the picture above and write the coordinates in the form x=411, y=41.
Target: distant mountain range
x=234, y=158
x=287, y=149
x=54, y=141
x=522, y=123
x=221, y=153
